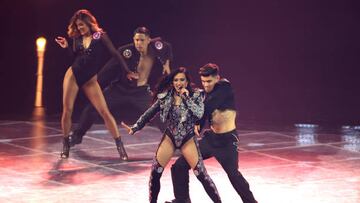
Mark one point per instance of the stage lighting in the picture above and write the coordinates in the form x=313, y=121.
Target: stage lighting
x=40, y=44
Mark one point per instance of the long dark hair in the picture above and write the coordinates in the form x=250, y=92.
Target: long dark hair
x=85, y=16
x=165, y=83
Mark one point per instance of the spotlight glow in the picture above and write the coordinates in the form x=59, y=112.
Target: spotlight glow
x=40, y=44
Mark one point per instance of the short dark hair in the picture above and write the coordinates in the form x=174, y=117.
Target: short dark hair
x=142, y=30
x=210, y=69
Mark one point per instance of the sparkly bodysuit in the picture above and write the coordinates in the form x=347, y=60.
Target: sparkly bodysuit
x=180, y=119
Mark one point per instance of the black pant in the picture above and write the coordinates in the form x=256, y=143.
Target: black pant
x=119, y=99
x=224, y=148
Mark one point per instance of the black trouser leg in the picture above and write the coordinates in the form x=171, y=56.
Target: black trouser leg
x=154, y=182
x=242, y=187
x=180, y=179
x=228, y=158
x=87, y=118
x=180, y=172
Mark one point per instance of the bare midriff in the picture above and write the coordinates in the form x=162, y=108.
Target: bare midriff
x=223, y=121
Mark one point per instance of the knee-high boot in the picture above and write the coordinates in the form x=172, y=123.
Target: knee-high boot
x=154, y=182
x=209, y=186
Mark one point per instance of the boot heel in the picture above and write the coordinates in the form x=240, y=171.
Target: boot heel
x=66, y=148
x=121, y=149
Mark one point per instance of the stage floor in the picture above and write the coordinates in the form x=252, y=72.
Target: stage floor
x=297, y=164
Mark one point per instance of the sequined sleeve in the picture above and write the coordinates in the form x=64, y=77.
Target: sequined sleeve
x=196, y=104
x=146, y=117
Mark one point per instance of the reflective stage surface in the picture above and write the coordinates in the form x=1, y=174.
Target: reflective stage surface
x=303, y=163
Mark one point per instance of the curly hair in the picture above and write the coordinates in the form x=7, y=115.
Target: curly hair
x=85, y=16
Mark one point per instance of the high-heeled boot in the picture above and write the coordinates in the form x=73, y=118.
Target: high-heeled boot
x=209, y=186
x=121, y=149
x=154, y=182
x=66, y=148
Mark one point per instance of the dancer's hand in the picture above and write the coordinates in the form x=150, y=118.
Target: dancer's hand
x=197, y=130
x=62, y=42
x=184, y=91
x=166, y=70
x=130, y=131
x=132, y=76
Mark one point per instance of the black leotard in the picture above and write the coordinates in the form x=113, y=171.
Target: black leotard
x=89, y=61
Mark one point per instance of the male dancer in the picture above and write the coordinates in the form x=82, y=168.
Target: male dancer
x=220, y=141
x=145, y=56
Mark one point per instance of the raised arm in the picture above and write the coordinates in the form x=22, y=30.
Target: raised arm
x=63, y=43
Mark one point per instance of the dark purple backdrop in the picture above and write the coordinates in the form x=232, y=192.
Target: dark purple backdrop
x=289, y=61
